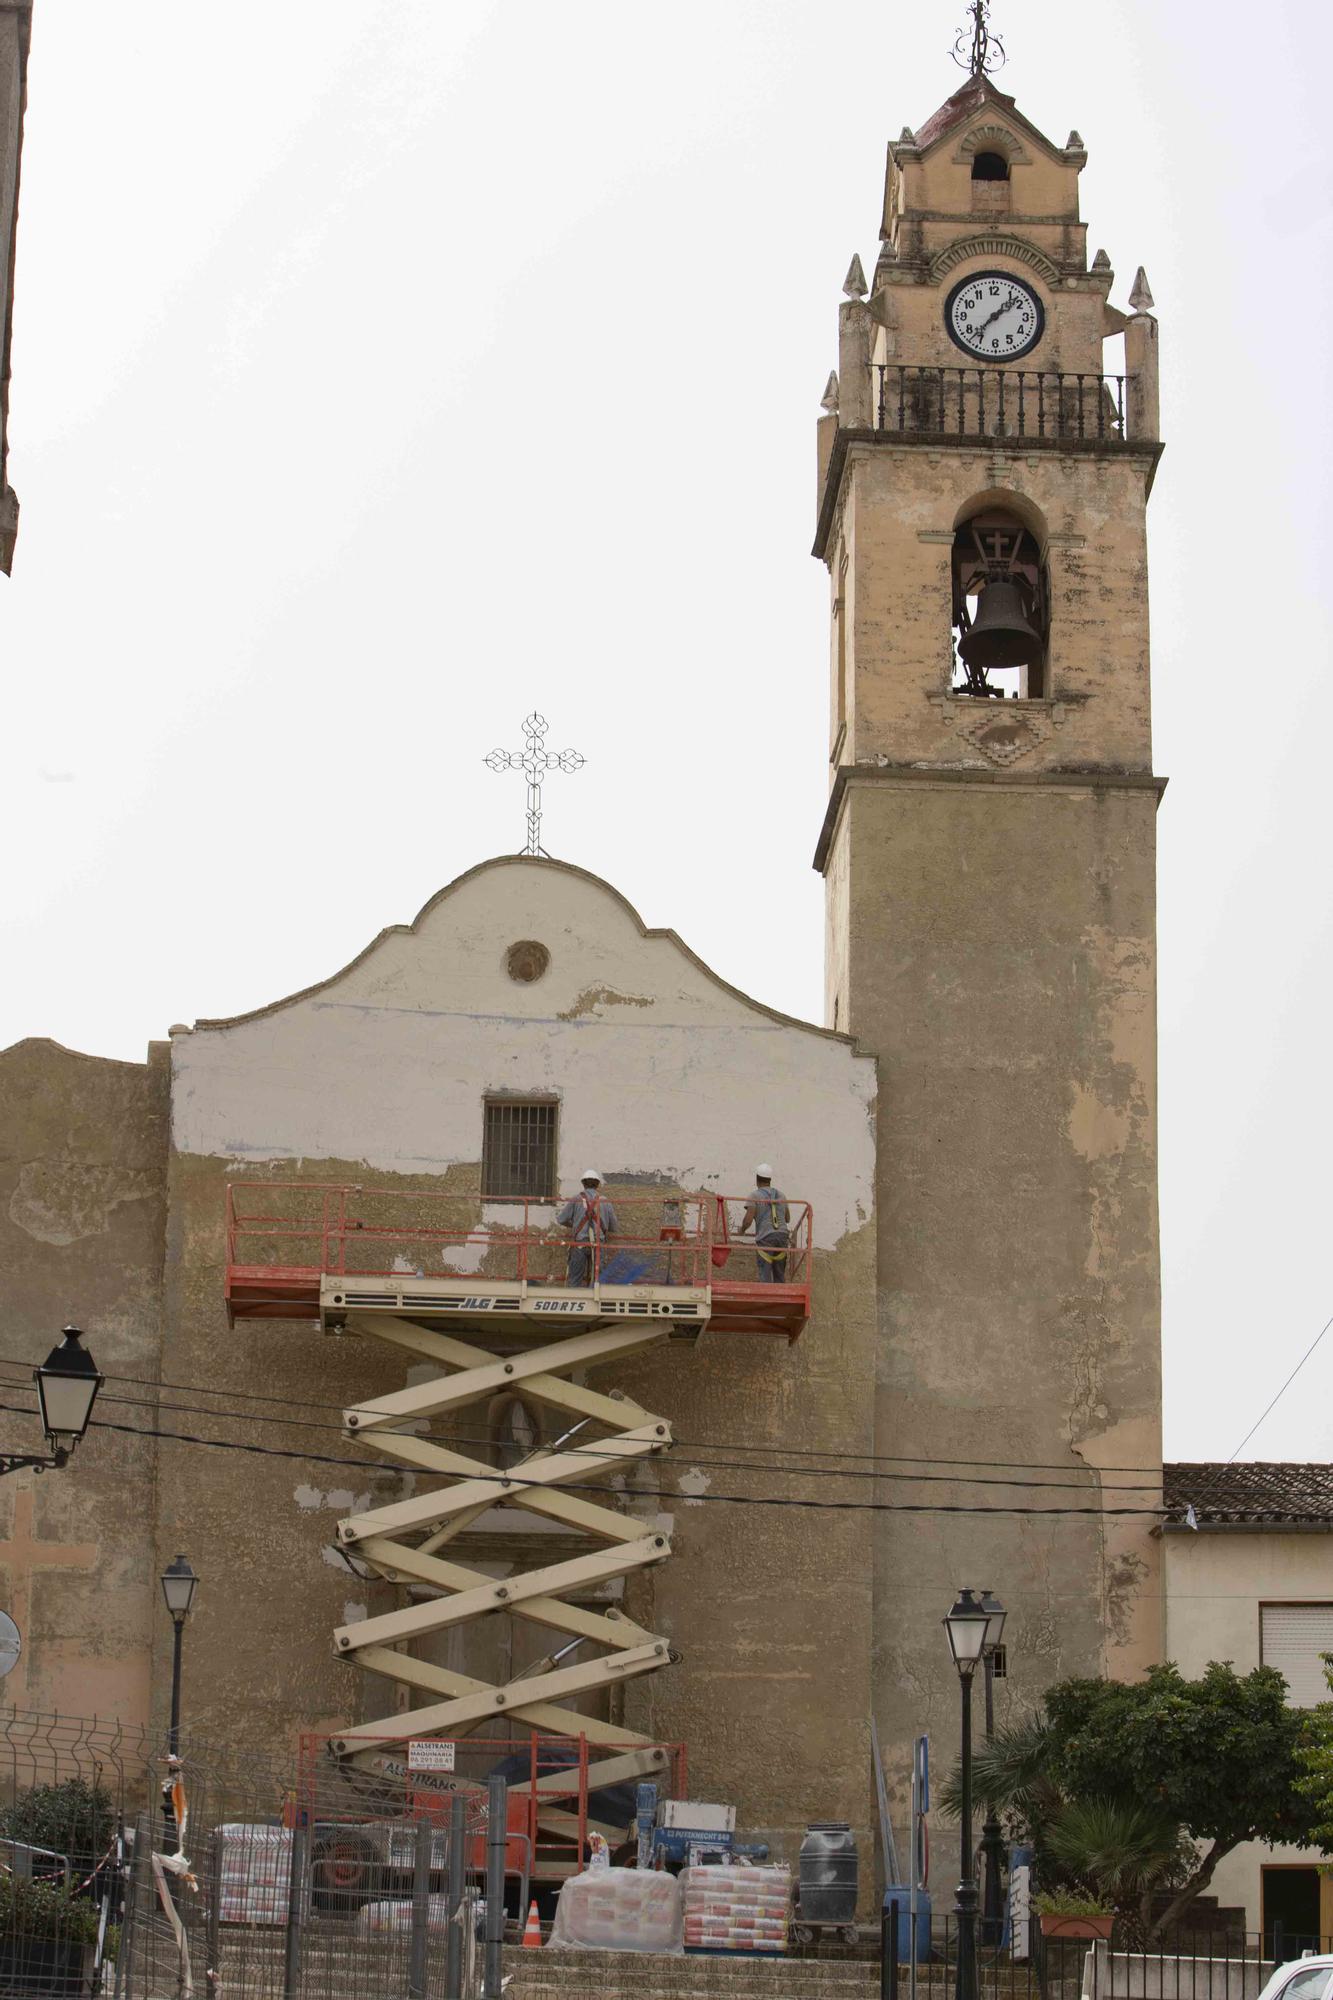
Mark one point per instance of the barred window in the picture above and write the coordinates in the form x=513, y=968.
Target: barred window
x=518, y=1149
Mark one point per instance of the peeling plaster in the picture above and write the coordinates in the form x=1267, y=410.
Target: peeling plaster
x=340, y=1498
x=681, y=1068
x=594, y=997
x=62, y=1201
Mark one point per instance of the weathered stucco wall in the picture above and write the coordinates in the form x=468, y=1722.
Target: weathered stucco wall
x=1213, y=1586
x=664, y=1076
x=82, y=1208
x=1001, y=962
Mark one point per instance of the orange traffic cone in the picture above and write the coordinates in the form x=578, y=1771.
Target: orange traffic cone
x=532, y=1930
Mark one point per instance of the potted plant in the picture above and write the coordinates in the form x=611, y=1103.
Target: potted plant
x=45, y=1934
x=1065, y=1914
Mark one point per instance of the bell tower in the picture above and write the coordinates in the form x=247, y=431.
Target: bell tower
x=985, y=461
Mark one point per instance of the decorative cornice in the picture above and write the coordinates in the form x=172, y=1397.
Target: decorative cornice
x=993, y=245
x=1005, y=450
x=936, y=774
x=992, y=139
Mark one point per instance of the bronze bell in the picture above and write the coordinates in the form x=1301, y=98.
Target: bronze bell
x=1000, y=635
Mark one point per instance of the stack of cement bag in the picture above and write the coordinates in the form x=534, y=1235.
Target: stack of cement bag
x=736, y=1909
x=254, y=1875
x=617, y=1909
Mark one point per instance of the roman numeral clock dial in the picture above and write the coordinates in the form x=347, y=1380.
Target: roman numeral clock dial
x=994, y=317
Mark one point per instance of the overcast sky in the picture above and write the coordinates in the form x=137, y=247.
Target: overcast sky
x=384, y=368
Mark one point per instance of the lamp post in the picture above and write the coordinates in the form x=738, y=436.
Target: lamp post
x=992, y=1839
x=966, y=1626
x=179, y=1584
x=67, y=1386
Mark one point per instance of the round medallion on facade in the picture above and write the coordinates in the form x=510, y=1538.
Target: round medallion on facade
x=527, y=960
x=994, y=316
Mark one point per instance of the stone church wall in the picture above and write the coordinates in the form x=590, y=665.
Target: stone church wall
x=665, y=1077
x=82, y=1209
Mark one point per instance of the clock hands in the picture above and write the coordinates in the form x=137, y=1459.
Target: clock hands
x=998, y=313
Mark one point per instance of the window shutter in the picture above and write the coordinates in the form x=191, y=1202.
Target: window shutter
x=1291, y=1638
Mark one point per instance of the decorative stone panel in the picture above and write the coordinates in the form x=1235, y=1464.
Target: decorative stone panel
x=1004, y=731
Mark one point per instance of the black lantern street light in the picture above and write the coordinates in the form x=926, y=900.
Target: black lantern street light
x=179, y=1584
x=992, y=1839
x=966, y=1626
x=67, y=1386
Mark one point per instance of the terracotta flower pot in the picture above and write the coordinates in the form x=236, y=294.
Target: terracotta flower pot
x=1053, y=1925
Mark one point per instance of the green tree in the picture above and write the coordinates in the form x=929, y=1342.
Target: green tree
x=1136, y=1790
x=1316, y=1755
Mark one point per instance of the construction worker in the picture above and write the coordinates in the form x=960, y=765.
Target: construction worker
x=767, y=1210
x=591, y=1219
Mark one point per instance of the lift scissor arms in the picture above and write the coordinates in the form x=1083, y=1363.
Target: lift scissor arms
x=529, y=1597
x=521, y=1700
x=423, y=1566
x=483, y=1376
x=547, y=1717
x=492, y=1488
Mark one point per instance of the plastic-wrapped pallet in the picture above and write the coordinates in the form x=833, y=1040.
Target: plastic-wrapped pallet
x=736, y=1909
x=254, y=1873
x=618, y=1909
x=396, y=1915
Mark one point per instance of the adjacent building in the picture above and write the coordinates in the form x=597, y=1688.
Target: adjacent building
x=1247, y=1576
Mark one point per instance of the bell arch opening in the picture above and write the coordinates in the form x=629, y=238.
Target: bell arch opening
x=990, y=167
x=1000, y=601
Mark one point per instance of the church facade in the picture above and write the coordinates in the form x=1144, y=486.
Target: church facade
x=961, y=1382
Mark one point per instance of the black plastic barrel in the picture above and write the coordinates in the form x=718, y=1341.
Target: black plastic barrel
x=828, y=1874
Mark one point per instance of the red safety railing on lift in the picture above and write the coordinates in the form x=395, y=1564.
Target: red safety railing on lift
x=284, y=1236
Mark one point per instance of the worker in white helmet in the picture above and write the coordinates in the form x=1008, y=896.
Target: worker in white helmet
x=591, y=1219
x=767, y=1210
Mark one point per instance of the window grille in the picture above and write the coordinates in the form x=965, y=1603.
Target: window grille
x=1291, y=1638
x=518, y=1150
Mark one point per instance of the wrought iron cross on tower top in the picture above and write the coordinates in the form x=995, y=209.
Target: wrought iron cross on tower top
x=977, y=49
x=535, y=760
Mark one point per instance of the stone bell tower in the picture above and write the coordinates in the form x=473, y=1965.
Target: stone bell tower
x=988, y=852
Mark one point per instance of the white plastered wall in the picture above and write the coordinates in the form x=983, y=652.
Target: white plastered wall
x=660, y=1067
x=1215, y=1584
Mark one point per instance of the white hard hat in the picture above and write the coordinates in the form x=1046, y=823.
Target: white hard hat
x=763, y=1171
x=590, y=1174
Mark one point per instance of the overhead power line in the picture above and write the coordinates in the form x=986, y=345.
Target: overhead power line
x=1282, y=1391
x=508, y=1481
x=595, y=1448
x=697, y=1444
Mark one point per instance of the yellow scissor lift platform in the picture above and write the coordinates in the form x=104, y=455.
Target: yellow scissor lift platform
x=489, y=1305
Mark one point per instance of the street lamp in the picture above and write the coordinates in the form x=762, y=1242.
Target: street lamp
x=179, y=1584
x=966, y=1626
x=67, y=1386
x=992, y=1840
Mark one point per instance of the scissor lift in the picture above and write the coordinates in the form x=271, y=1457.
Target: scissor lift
x=488, y=1304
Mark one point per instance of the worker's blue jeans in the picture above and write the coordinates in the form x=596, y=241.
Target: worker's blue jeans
x=772, y=1258
x=580, y=1272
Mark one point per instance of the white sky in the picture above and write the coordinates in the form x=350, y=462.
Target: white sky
x=383, y=368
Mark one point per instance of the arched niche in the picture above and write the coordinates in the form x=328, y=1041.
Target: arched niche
x=1000, y=598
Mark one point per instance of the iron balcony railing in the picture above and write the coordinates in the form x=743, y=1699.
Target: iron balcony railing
x=999, y=403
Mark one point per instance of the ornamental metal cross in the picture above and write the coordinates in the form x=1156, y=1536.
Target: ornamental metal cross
x=536, y=760
x=977, y=49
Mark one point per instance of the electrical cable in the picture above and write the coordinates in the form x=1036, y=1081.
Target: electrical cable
x=514, y=1479
x=1283, y=1390
x=598, y=1449
x=705, y=1444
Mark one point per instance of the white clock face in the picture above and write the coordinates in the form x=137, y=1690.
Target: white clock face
x=994, y=316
